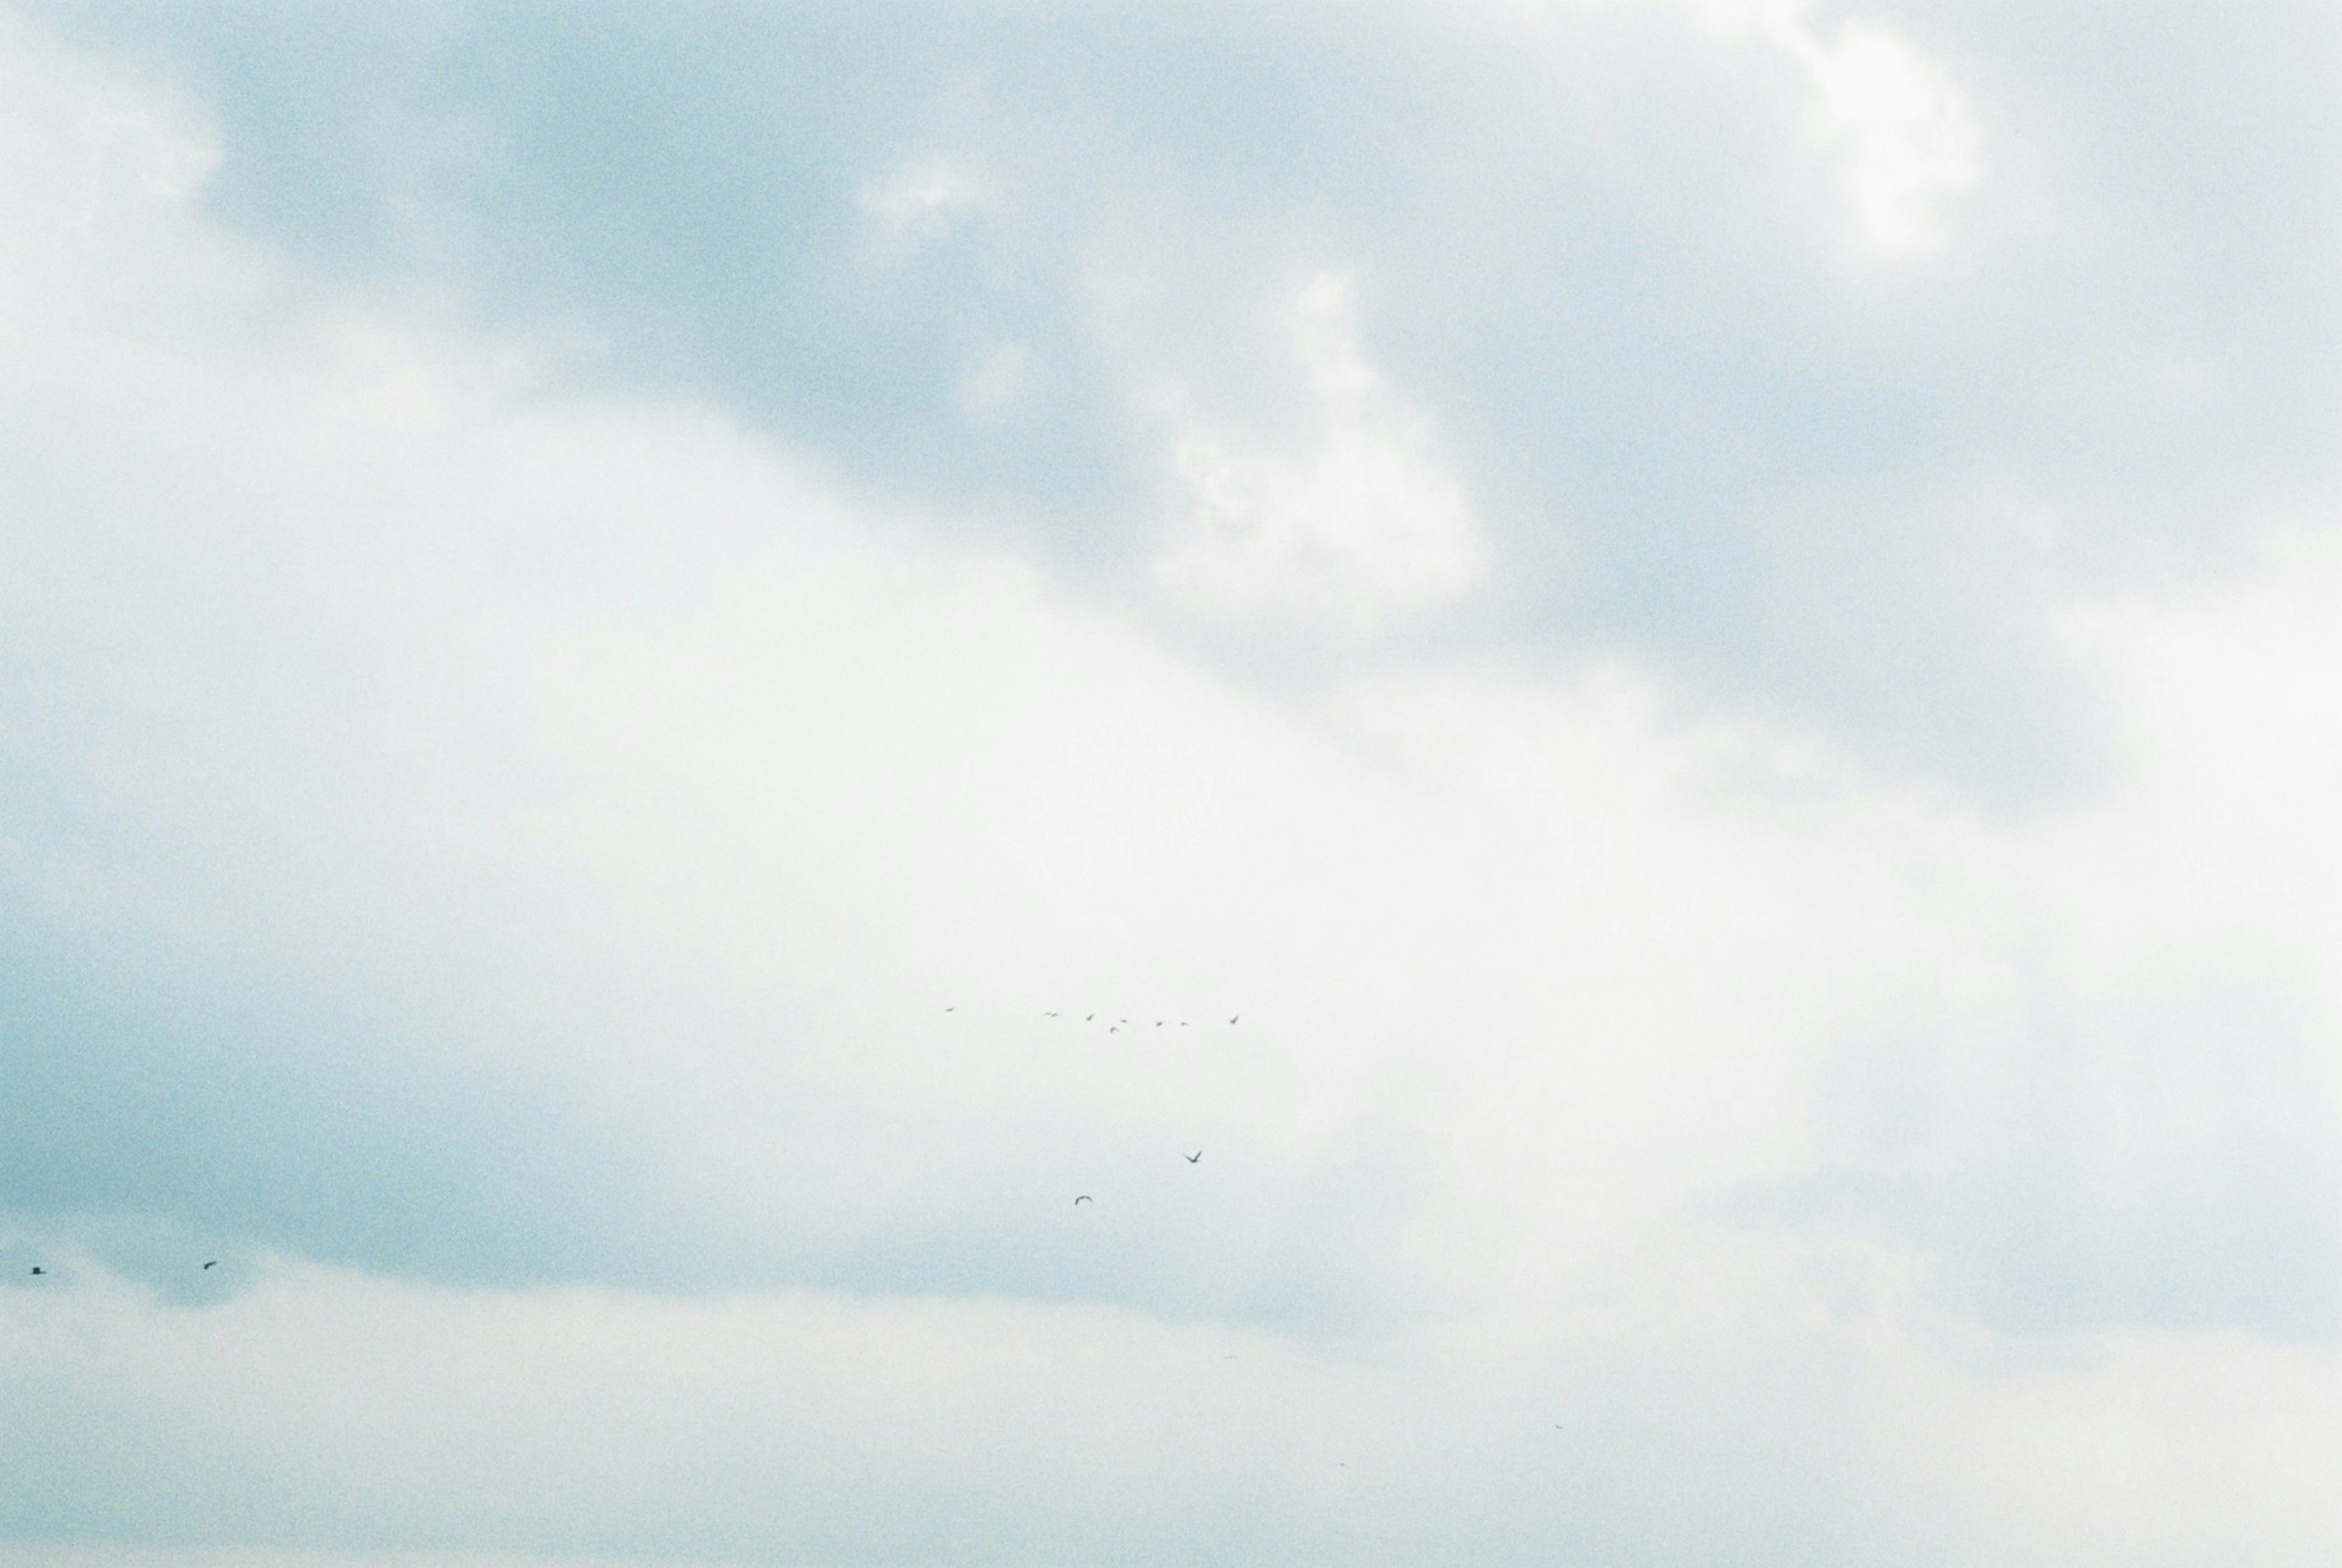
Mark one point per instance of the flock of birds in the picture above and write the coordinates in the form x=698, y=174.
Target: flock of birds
x=1116, y=1026
x=213, y=1264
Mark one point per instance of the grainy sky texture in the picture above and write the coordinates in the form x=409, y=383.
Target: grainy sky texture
x=639, y=646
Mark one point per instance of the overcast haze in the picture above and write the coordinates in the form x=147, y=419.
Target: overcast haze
x=1691, y=648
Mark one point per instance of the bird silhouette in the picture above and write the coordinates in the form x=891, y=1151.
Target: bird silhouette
x=213, y=1264
x=1085, y=1198
x=1191, y=1159
x=1089, y=1017
x=39, y=1270
x=1049, y=1015
x=1232, y=1017
x=951, y=1009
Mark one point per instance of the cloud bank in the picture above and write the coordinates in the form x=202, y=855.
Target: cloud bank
x=568, y=727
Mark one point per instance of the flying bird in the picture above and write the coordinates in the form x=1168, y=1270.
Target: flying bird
x=1049, y=1015
x=1191, y=1159
x=1232, y=1017
x=1089, y=1017
x=39, y=1270
x=213, y=1264
x=1085, y=1198
x=951, y=1009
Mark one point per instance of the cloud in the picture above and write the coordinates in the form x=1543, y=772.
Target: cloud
x=578, y=1427
x=1898, y=128
x=919, y=203
x=1598, y=256
x=1364, y=528
x=489, y=852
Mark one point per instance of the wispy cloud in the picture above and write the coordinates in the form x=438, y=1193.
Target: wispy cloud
x=1361, y=526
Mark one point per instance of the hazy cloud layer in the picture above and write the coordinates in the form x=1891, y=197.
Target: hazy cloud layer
x=1807, y=355
x=1714, y=625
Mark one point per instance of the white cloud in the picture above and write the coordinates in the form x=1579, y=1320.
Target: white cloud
x=1363, y=527
x=1893, y=124
x=1897, y=128
x=584, y=1426
x=920, y=203
x=2225, y=851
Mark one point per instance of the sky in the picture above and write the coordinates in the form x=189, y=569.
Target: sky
x=1663, y=673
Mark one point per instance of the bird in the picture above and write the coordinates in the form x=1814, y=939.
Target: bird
x=39, y=1270
x=1232, y=1017
x=1182, y=1023
x=1158, y=1024
x=1191, y=1159
x=1049, y=1015
x=1089, y=1017
x=1114, y=1028
x=213, y=1264
x=1085, y=1198
x=951, y=1009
